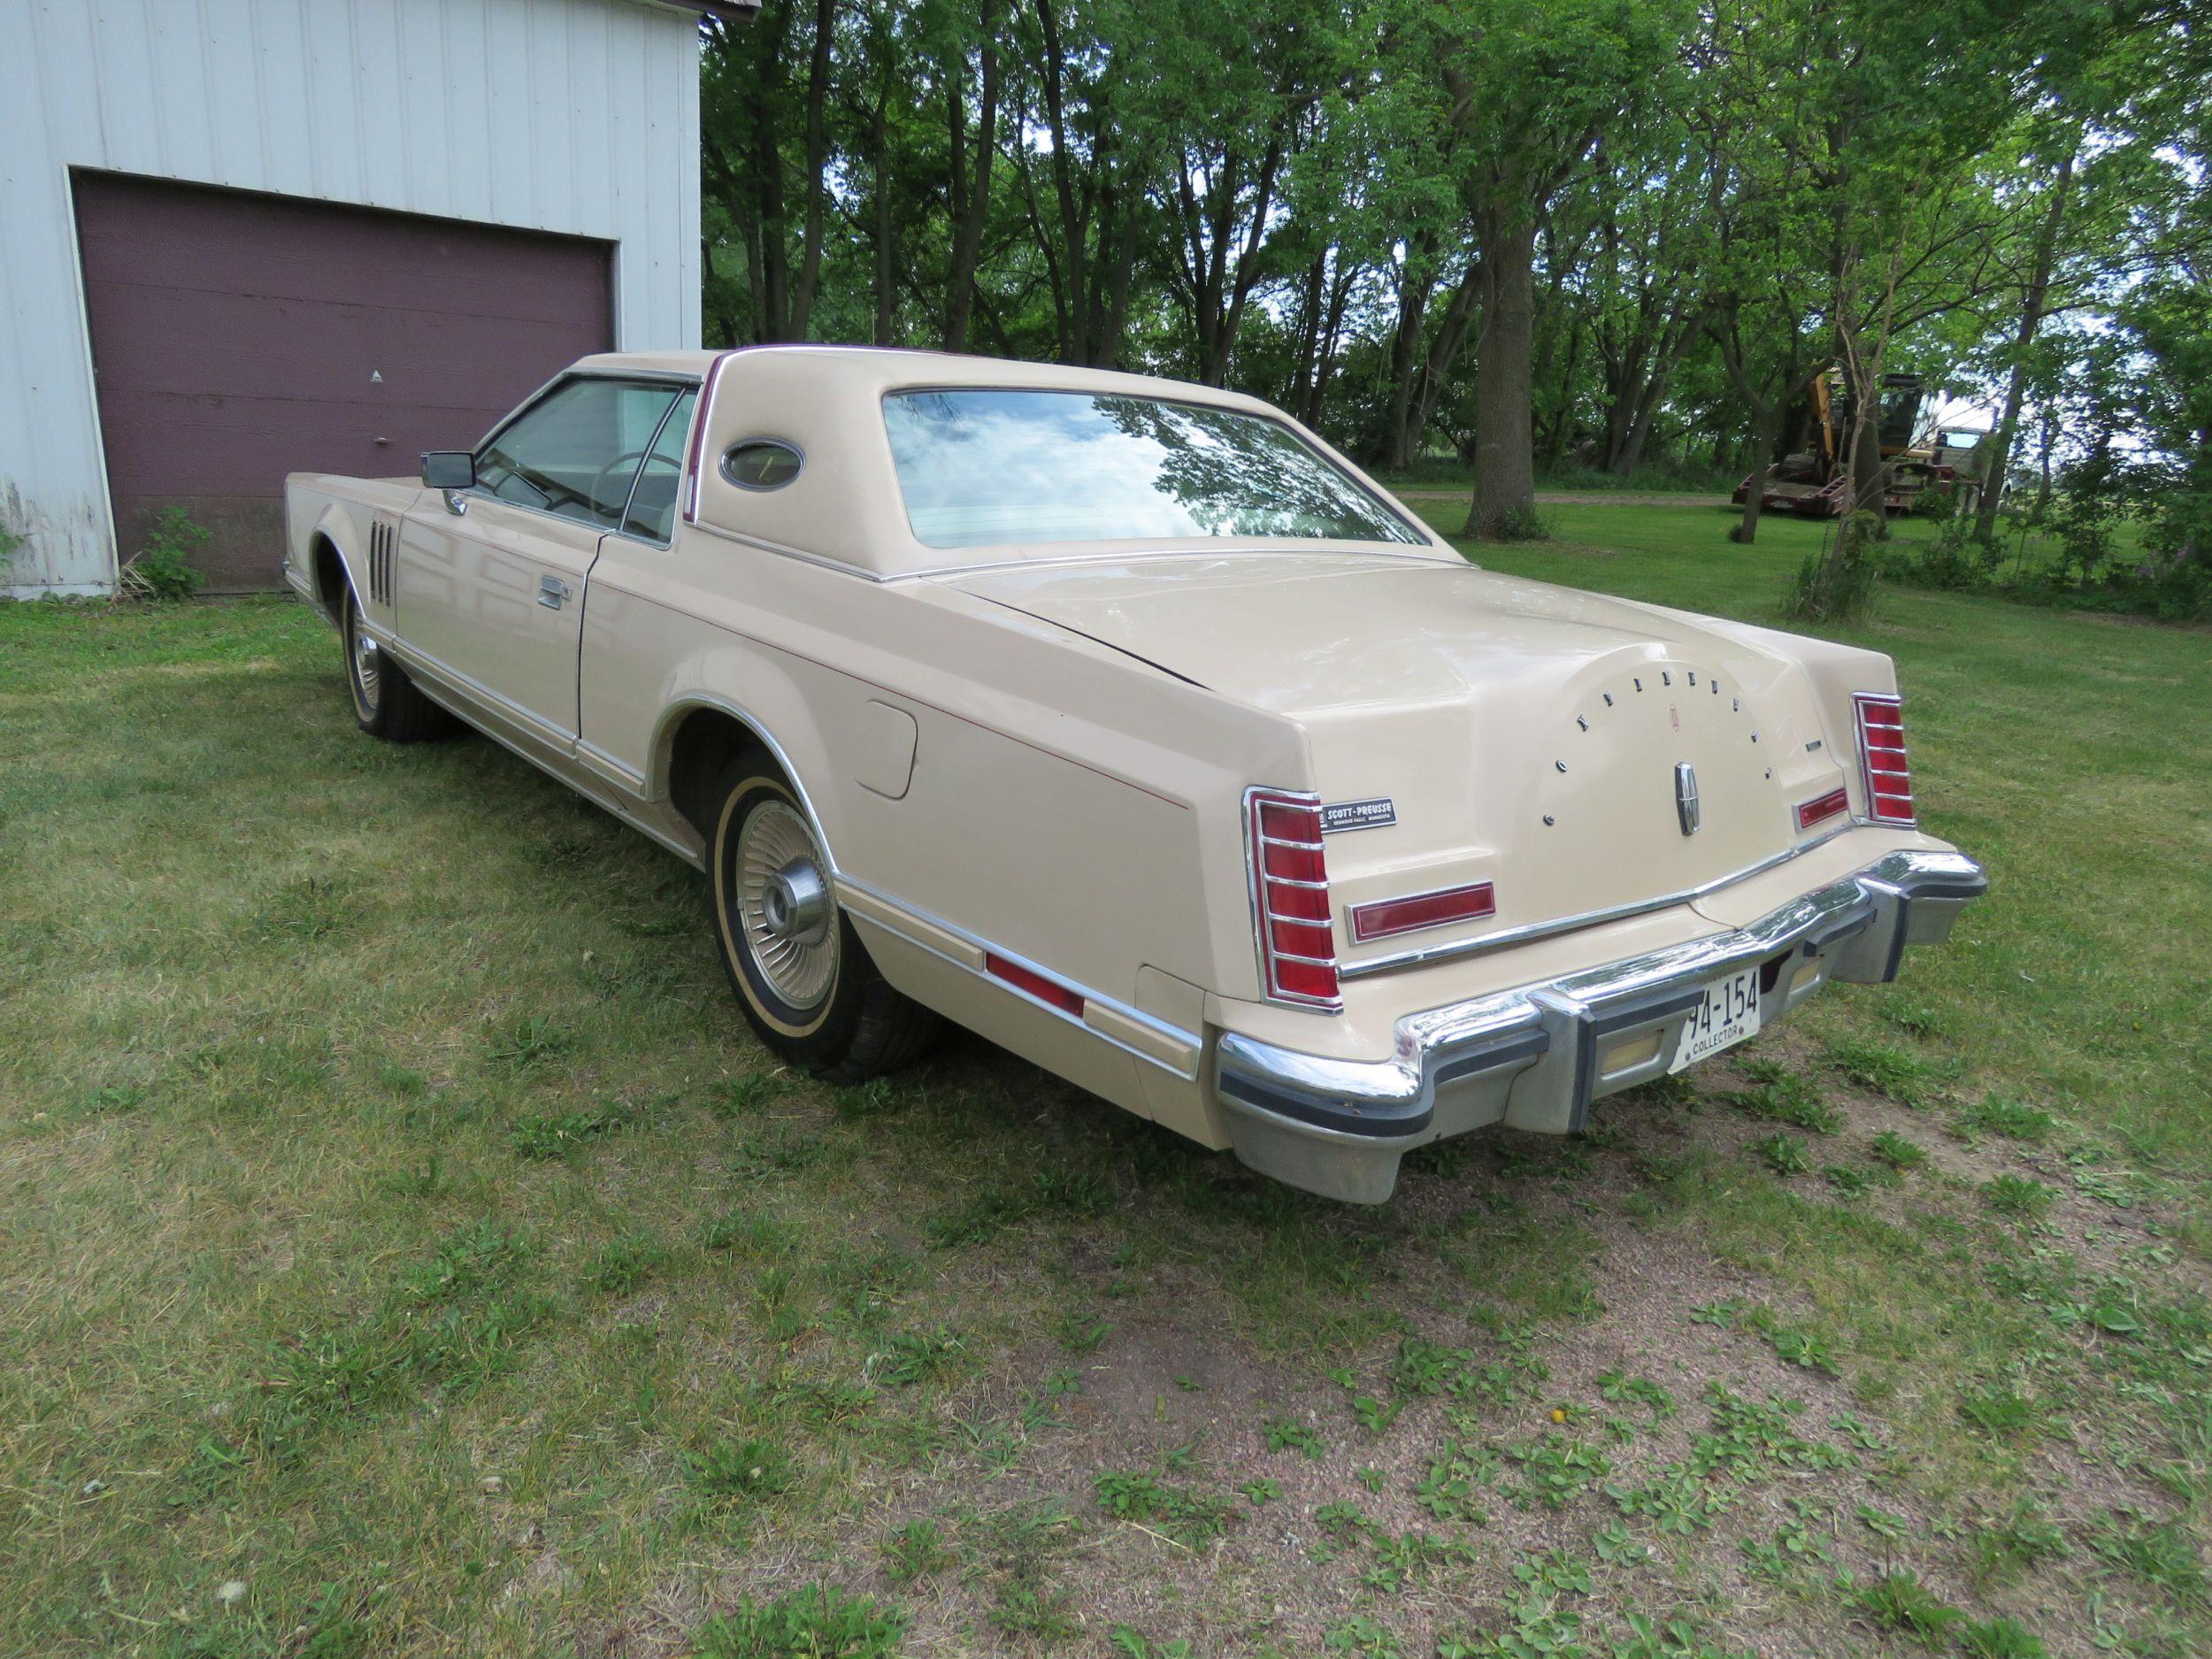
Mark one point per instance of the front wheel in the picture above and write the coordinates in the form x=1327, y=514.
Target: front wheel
x=800, y=973
x=385, y=702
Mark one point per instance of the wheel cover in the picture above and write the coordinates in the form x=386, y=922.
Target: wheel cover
x=367, y=663
x=786, y=916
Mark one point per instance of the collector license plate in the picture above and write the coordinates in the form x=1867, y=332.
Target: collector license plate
x=1730, y=1014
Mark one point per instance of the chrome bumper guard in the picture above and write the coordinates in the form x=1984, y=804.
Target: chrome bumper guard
x=1535, y=1057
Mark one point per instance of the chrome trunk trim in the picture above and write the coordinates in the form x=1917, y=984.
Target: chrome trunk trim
x=1452, y=949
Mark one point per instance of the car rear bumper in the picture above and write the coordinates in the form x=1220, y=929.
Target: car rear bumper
x=1535, y=1057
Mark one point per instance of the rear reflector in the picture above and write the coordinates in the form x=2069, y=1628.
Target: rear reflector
x=1048, y=991
x=1825, y=807
x=1885, y=772
x=1387, y=917
x=1290, y=897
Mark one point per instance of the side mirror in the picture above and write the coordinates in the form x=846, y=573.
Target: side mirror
x=449, y=469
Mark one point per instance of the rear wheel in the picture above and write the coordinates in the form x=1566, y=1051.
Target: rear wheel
x=385, y=702
x=800, y=973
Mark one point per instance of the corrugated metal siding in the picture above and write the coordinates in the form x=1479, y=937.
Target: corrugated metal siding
x=576, y=116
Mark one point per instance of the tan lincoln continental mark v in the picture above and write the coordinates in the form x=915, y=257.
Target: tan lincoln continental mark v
x=1128, y=723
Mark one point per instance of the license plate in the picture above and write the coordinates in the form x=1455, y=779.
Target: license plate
x=1730, y=1014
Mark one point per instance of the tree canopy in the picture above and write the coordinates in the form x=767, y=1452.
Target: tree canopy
x=1541, y=236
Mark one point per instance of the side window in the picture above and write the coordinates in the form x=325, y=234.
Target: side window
x=652, y=513
x=576, y=450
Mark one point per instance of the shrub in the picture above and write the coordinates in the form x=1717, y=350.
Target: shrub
x=1834, y=583
x=1523, y=524
x=162, y=571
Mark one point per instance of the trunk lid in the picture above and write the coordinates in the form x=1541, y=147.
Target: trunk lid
x=1523, y=734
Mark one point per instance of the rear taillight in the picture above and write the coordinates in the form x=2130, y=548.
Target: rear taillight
x=1290, y=897
x=1386, y=917
x=1822, y=808
x=1882, y=754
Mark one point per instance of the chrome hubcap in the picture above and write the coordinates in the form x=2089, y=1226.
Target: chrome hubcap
x=783, y=905
x=364, y=663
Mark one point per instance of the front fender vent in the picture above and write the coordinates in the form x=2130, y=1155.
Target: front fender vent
x=380, y=539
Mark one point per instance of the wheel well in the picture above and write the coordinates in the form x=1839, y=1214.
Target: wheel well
x=706, y=741
x=330, y=575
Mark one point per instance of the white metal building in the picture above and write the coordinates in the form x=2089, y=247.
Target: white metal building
x=239, y=237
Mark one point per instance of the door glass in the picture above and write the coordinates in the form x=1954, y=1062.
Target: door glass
x=575, y=451
x=652, y=514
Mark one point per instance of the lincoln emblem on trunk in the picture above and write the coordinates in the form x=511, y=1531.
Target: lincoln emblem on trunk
x=1686, y=796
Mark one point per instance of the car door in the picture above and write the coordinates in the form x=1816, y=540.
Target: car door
x=490, y=588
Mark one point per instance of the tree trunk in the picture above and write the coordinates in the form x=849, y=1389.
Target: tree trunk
x=1107, y=348
x=969, y=214
x=1767, y=423
x=1414, y=283
x=1309, y=329
x=817, y=141
x=1451, y=333
x=1505, y=459
x=1333, y=329
x=885, y=227
x=2032, y=302
x=1870, y=479
x=1647, y=412
x=2048, y=439
x=1074, y=342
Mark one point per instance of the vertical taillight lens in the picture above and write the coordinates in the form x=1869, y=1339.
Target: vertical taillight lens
x=1290, y=897
x=1882, y=756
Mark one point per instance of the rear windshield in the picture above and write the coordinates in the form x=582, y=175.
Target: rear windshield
x=981, y=468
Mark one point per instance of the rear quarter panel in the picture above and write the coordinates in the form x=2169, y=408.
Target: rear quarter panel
x=1059, y=794
x=1065, y=802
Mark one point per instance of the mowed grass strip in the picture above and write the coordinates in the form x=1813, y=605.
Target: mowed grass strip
x=407, y=1252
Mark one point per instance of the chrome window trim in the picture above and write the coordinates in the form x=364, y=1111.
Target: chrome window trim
x=761, y=440
x=762, y=545
x=674, y=376
x=622, y=528
x=1486, y=942
x=656, y=376
x=695, y=454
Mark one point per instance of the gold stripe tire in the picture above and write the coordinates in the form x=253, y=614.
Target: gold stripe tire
x=811, y=994
x=385, y=702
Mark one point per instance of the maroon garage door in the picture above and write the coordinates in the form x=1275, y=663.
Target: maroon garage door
x=236, y=338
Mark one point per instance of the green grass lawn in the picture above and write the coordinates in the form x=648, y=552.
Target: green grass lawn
x=405, y=1250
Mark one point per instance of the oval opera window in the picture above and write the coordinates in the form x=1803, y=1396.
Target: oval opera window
x=761, y=464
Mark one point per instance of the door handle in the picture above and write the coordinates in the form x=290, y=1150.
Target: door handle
x=551, y=592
